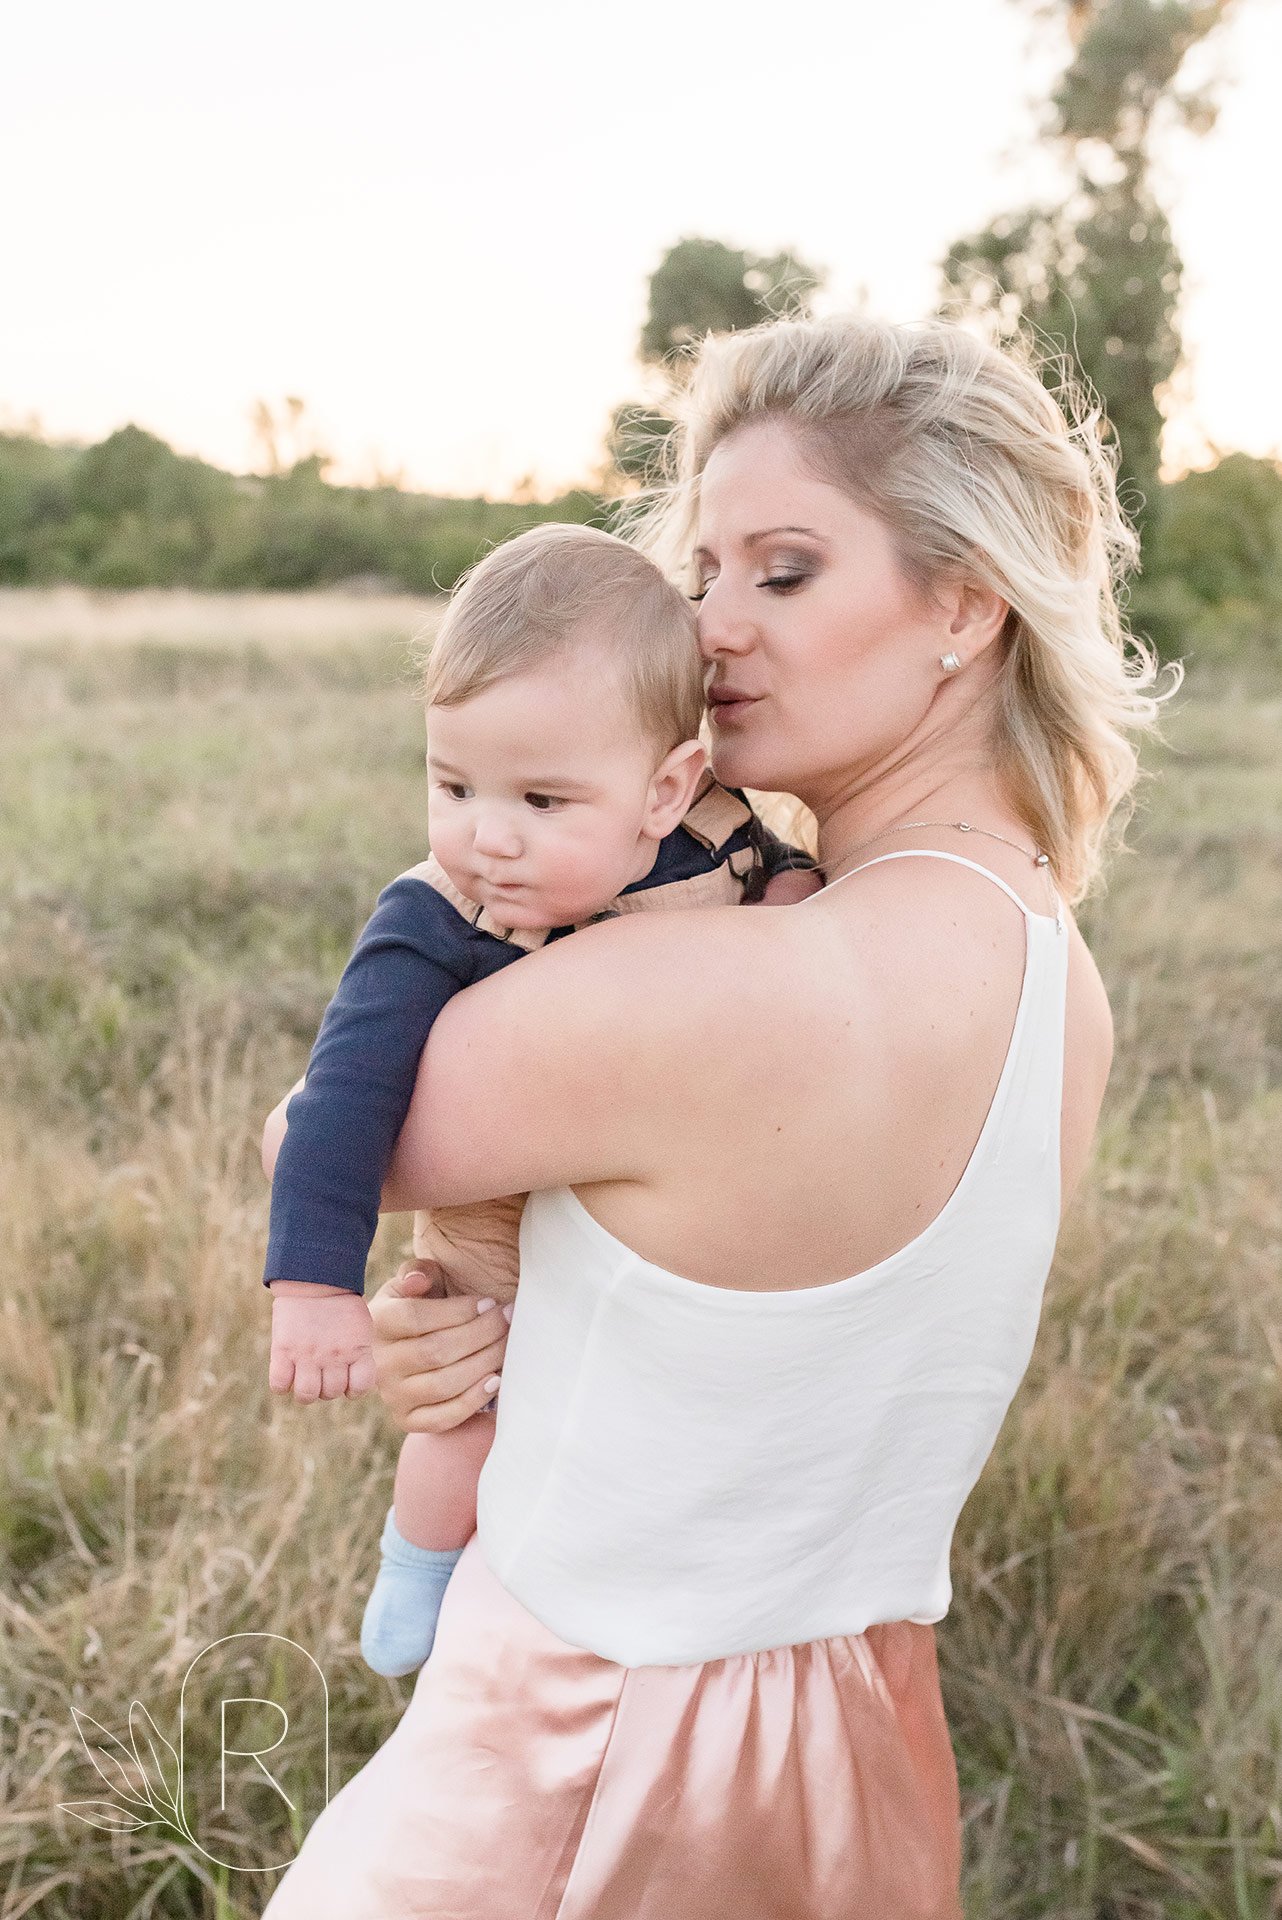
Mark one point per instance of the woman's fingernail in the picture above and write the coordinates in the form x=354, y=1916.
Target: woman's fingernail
x=507, y=1315
x=483, y=1306
x=492, y=1384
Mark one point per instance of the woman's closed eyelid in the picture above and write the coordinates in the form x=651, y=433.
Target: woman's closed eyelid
x=794, y=578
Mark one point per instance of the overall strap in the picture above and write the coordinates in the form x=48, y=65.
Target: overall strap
x=959, y=859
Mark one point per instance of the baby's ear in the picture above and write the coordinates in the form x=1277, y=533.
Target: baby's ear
x=672, y=790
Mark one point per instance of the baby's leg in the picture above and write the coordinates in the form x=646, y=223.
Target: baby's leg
x=436, y=1476
x=433, y=1518
x=433, y=1514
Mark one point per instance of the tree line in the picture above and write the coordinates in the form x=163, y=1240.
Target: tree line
x=1093, y=281
x=130, y=512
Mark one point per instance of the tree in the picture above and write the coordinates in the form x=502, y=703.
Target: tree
x=120, y=474
x=1098, y=278
x=703, y=286
x=700, y=286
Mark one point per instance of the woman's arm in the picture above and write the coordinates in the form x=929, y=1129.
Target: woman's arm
x=567, y=1068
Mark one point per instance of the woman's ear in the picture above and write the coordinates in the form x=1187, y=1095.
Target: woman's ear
x=672, y=787
x=976, y=616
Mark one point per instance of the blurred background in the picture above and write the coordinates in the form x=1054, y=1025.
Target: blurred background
x=303, y=311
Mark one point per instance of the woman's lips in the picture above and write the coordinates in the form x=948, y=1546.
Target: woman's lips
x=724, y=711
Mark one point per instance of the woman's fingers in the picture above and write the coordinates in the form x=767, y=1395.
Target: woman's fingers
x=443, y=1390
x=402, y=1306
x=435, y=1359
x=447, y=1331
x=452, y=1413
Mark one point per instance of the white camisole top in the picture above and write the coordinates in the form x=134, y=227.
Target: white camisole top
x=682, y=1472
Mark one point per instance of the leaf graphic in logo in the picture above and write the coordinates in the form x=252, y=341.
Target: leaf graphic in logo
x=104, y=1814
x=113, y=1761
x=157, y=1761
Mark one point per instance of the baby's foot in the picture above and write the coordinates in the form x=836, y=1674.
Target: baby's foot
x=400, y=1615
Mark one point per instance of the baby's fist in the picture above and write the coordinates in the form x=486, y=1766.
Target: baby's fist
x=322, y=1345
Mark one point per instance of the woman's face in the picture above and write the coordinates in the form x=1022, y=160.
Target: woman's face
x=807, y=614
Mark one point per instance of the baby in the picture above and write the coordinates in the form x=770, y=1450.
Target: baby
x=564, y=696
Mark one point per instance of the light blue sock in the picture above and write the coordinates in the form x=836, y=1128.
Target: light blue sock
x=401, y=1613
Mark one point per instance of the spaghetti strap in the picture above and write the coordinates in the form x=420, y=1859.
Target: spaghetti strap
x=959, y=859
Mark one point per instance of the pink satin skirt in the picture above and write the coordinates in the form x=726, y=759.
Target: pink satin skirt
x=531, y=1780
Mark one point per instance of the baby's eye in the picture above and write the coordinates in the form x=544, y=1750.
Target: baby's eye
x=542, y=802
x=455, y=789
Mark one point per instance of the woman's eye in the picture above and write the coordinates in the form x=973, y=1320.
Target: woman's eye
x=782, y=582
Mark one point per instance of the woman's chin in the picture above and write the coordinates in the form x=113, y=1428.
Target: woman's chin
x=736, y=764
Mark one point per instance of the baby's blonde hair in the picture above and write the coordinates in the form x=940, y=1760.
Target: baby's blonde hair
x=969, y=461
x=534, y=596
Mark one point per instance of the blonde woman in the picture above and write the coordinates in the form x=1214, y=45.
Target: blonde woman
x=798, y=1176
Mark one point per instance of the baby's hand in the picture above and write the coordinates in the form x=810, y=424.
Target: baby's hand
x=322, y=1343
x=790, y=886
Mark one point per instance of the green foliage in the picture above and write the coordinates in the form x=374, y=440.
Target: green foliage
x=1222, y=531
x=703, y=286
x=1125, y=67
x=700, y=286
x=1212, y=581
x=130, y=512
x=1097, y=280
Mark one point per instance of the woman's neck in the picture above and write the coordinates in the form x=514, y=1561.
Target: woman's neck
x=972, y=793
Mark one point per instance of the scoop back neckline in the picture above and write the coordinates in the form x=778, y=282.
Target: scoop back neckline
x=867, y=1276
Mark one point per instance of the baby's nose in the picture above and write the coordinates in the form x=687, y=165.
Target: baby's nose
x=496, y=838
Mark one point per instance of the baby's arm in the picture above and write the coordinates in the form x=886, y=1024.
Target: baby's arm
x=342, y=1125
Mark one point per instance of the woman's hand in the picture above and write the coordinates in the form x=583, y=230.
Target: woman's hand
x=436, y=1358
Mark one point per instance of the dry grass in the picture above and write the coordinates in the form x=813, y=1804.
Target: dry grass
x=190, y=838
x=38, y=616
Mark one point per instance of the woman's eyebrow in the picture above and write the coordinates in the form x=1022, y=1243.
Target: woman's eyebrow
x=764, y=533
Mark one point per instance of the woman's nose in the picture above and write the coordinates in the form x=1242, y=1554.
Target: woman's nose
x=721, y=628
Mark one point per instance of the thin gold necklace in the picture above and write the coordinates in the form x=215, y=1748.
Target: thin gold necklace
x=1038, y=858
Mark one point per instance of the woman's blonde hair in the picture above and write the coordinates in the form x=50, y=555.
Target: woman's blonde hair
x=972, y=465
x=529, y=599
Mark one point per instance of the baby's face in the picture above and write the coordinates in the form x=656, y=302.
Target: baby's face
x=537, y=792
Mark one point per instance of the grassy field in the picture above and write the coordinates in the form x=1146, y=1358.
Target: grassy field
x=194, y=821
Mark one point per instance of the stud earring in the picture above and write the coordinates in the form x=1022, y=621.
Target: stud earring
x=949, y=662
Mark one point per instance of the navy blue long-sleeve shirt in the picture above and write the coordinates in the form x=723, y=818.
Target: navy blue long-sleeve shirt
x=415, y=953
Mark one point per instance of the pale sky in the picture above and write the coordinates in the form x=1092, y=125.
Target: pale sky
x=436, y=224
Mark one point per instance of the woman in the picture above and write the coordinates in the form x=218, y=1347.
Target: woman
x=798, y=1176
